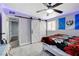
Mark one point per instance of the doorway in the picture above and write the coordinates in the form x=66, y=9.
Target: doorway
x=13, y=32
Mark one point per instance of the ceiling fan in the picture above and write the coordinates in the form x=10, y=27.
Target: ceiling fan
x=50, y=8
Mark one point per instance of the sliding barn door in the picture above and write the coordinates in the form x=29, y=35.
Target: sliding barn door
x=24, y=31
x=35, y=27
x=42, y=29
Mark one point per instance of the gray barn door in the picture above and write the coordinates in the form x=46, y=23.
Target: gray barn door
x=35, y=27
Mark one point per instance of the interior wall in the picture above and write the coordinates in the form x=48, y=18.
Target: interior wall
x=5, y=27
x=0, y=25
x=68, y=30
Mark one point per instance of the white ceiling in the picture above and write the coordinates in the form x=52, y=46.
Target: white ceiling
x=33, y=7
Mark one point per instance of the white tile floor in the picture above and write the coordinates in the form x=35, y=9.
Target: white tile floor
x=29, y=50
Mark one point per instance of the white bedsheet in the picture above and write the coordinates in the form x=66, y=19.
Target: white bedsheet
x=54, y=50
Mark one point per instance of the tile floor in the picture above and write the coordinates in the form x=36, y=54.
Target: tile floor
x=35, y=49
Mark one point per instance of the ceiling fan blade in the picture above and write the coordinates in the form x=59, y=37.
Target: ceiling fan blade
x=41, y=10
x=57, y=4
x=58, y=11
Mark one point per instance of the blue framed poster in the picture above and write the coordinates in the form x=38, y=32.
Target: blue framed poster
x=61, y=23
x=77, y=21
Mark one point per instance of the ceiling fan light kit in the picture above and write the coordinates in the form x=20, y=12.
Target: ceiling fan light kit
x=49, y=11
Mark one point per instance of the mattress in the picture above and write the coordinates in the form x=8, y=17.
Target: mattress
x=54, y=50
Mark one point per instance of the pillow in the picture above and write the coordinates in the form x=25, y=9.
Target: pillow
x=66, y=37
x=58, y=40
x=48, y=40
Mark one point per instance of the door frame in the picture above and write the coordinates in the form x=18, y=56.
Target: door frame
x=1, y=27
x=17, y=20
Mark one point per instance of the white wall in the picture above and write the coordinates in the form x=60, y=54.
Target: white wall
x=69, y=30
x=5, y=27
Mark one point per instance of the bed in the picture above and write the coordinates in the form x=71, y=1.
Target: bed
x=61, y=45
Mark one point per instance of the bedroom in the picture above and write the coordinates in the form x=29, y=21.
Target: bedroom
x=29, y=29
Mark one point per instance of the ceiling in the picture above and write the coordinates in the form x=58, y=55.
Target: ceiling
x=31, y=8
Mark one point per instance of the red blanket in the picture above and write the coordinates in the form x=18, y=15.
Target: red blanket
x=73, y=47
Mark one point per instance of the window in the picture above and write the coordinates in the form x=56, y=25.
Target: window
x=52, y=25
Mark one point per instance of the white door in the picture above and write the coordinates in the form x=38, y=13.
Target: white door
x=35, y=27
x=42, y=29
x=24, y=31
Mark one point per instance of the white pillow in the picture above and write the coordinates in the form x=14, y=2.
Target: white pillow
x=58, y=40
